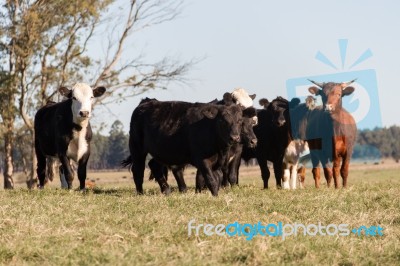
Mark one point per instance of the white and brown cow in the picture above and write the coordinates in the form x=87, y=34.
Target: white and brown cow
x=62, y=131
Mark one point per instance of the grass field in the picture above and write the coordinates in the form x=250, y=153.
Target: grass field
x=110, y=224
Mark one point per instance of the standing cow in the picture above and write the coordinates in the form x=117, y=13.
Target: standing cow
x=62, y=130
x=179, y=133
x=331, y=132
x=273, y=136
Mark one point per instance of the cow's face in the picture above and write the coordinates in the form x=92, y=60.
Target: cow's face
x=242, y=98
x=247, y=134
x=228, y=119
x=331, y=94
x=280, y=113
x=82, y=96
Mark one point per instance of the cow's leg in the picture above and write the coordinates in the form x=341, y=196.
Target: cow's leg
x=41, y=168
x=336, y=169
x=344, y=171
x=200, y=184
x=137, y=168
x=233, y=170
x=68, y=173
x=264, y=172
x=158, y=171
x=293, y=176
x=315, y=164
x=82, y=166
x=278, y=172
x=178, y=174
x=327, y=171
x=286, y=175
x=301, y=174
x=224, y=180
x=211, y=181
x=317, y=176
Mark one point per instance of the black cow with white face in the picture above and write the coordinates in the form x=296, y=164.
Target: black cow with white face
x=180, y=133
x=62, y=130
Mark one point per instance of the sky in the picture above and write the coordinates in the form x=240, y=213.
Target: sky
x=271, y=48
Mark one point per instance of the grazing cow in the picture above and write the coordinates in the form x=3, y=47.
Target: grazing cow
x=179, y=133
x=331, y=132
x=297, y=146
x=62, y=130
x=273, y=136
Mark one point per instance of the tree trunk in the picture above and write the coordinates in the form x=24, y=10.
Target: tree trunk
x=32, y=179
x=8, y=153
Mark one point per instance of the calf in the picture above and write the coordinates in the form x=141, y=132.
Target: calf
x=179, y=133
x=62, y=130
x=297, y=146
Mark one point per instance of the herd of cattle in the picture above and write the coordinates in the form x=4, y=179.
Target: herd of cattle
x=214, y=137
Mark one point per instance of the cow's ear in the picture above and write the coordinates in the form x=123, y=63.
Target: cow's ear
x=249, y=112
x=314, y=90
x=98, y=91
x=347, y=91
x=252, y=96
x=294, y=102
x=263, y=102
x=64, y=91
x=228, y=99
x=210, y=112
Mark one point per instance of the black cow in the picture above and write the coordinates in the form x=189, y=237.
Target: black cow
x=62, y=130
x=180, y=133
x=228, y=158
x=273, y=136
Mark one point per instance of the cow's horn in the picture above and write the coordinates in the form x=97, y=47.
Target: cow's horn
x=317, y=83
x=345, y=84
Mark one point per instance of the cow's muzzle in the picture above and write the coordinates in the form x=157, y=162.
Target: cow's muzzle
x=84, y=114
x=235, y=138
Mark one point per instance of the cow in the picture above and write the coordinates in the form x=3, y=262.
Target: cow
x=242, y=98
x=228, y=173
x=298, y=145
x=273, y=136
x=180, y=133
x=62, y=131
x=331, y=132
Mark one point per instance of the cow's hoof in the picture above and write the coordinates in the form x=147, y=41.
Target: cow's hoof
x=40, y=187
x=166, y=191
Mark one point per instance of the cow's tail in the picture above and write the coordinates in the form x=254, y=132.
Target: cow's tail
x=51, y=164
x=127, y=162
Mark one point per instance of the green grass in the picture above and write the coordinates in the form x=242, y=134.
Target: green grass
x=112, y=225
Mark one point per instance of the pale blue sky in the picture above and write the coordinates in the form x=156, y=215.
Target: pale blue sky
x=260, y=45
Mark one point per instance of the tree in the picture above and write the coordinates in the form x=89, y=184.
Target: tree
x=117, y=145
x=44, y=45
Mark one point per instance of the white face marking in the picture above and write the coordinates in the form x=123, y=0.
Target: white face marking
x=82, y=99
x=242, y=97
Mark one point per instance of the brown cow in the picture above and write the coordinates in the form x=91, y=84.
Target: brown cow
x=331, y=132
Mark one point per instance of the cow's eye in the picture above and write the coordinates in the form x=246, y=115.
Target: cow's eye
x=74, y=98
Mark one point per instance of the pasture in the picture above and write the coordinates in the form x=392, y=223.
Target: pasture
x=110, y=224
